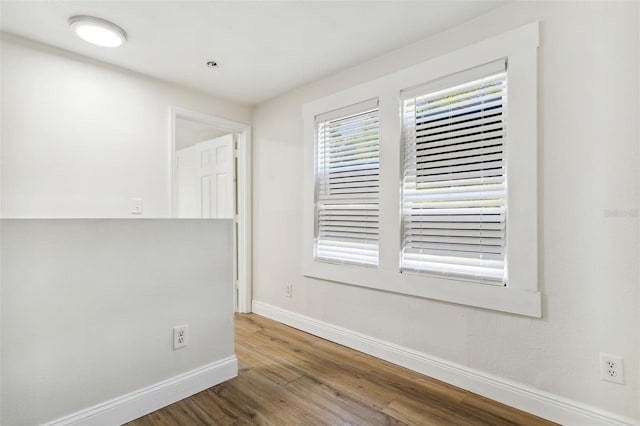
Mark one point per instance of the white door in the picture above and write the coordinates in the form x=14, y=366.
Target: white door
x=215, y=174
x=205, y=179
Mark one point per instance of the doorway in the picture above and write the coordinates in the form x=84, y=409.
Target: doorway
x=210, y=177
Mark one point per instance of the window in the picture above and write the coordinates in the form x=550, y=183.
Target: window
x=347, y=176
x=429, y=189
x=453, y=190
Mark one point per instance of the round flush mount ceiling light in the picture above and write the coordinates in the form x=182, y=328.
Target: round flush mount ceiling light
x=97, y=31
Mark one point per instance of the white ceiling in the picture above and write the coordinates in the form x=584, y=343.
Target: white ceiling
x=265, y=47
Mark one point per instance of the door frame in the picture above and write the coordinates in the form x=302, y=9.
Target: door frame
x=242, y=220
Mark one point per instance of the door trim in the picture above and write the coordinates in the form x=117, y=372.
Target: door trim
x=243, y=218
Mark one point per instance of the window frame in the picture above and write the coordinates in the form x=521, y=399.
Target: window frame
x=342, y=113
x=521, y=295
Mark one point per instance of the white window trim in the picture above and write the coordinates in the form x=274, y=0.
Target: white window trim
x=521, y=295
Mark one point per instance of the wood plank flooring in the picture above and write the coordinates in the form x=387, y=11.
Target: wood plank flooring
x=288, y=377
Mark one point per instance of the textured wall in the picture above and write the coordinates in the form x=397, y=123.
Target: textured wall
x=89, y=306
x=588, y=245
x=81, y=138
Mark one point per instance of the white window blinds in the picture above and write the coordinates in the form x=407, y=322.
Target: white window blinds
x=347, y=175
x=453, y=201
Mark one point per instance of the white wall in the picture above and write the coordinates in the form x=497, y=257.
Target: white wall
x=81, y=138
x=189, y=194
x=189, y=133
x=588, y=249
x=88, y=307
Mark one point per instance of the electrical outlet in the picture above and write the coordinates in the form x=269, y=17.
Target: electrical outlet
x=611, y=368
x=180, y=336
x=288, y=290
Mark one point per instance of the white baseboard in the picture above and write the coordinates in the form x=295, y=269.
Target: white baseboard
x=144, y=401
x=525, y=398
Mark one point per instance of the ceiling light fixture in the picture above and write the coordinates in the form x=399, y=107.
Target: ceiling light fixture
x=97, y=31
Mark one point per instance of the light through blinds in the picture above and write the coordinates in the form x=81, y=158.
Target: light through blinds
x=453, y=198
x=347, y=177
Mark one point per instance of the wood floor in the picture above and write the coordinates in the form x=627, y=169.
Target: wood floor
x=288, y=377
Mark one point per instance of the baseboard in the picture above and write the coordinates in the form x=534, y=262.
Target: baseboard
x=531, y=400
x=144, y=401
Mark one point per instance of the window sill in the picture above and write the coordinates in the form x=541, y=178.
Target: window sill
x=496, y=298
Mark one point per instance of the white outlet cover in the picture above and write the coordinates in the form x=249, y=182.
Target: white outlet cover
x=612, y=368
x=180, y=336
